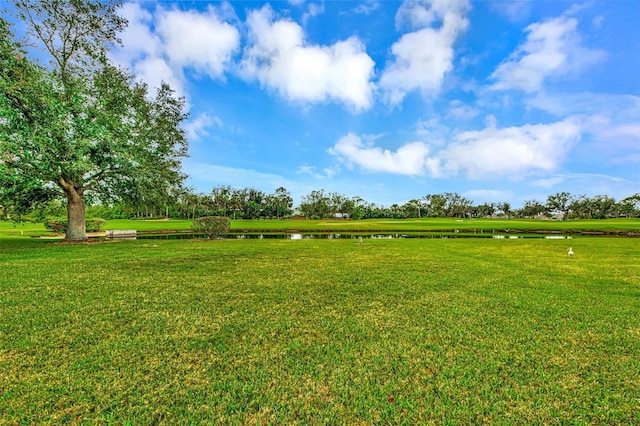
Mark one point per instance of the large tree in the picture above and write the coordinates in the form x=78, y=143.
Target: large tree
x=280, y=203
x=559, y=203
x=630, y=206
x=80, y=127
x=316, y=205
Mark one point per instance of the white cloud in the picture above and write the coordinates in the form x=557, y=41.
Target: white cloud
x=515, y=11
x=604, y=128
x=143, y=51
x=279, y=58
x=313, y=9
x=418, y=14
x=423, y=57
x=627, y=107
x=610, y=119
x=510, y=151
x=327, y=173
x=460, y=111
x=488, y=153
x=197, y=128
x=433, y=132
x=491, y=121
x=138, y=40
x=410, y=159
x=548, y=182
x=198, y=40
x=553, y=48
x=367, y=7
x=159, y=47
x=154, y=71
x=614, y=141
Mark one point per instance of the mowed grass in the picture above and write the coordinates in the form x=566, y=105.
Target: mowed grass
x=623, y=225
x=399, y=225
x=411, y=331
x=440, y=224
x=10, y=230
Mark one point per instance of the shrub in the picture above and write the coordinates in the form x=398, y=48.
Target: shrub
x=212, y=226
x=56, y=225
x=60, y=225
x=94, y=225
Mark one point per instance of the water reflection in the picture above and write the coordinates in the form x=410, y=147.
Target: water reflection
x=333, y=236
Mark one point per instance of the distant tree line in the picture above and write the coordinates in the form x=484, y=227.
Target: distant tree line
x=251, y=203
x=320, y=204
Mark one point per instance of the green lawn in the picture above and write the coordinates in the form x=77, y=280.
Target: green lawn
x=320, y=331
x=8, y=229
x=437, y=224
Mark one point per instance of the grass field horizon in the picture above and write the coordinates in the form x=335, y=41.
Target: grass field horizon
x=622, y=225
x=320, y=331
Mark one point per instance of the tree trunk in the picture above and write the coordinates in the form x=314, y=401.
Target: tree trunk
x=76, y=224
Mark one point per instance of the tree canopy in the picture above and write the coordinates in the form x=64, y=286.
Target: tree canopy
x=82, y=128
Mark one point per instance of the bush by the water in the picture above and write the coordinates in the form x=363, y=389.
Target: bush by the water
x=60, y=225
x=212, y=226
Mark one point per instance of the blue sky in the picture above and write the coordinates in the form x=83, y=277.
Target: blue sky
x=390, y=100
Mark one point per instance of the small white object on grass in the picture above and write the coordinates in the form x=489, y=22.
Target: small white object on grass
x=359, y=240
x=570, y=252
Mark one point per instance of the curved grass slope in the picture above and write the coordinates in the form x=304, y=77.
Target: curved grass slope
x=320, y=332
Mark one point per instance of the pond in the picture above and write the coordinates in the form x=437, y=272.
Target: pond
x=333, y=236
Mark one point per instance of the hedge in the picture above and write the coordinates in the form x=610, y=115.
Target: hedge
x=212, y=226
x=60, y=225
